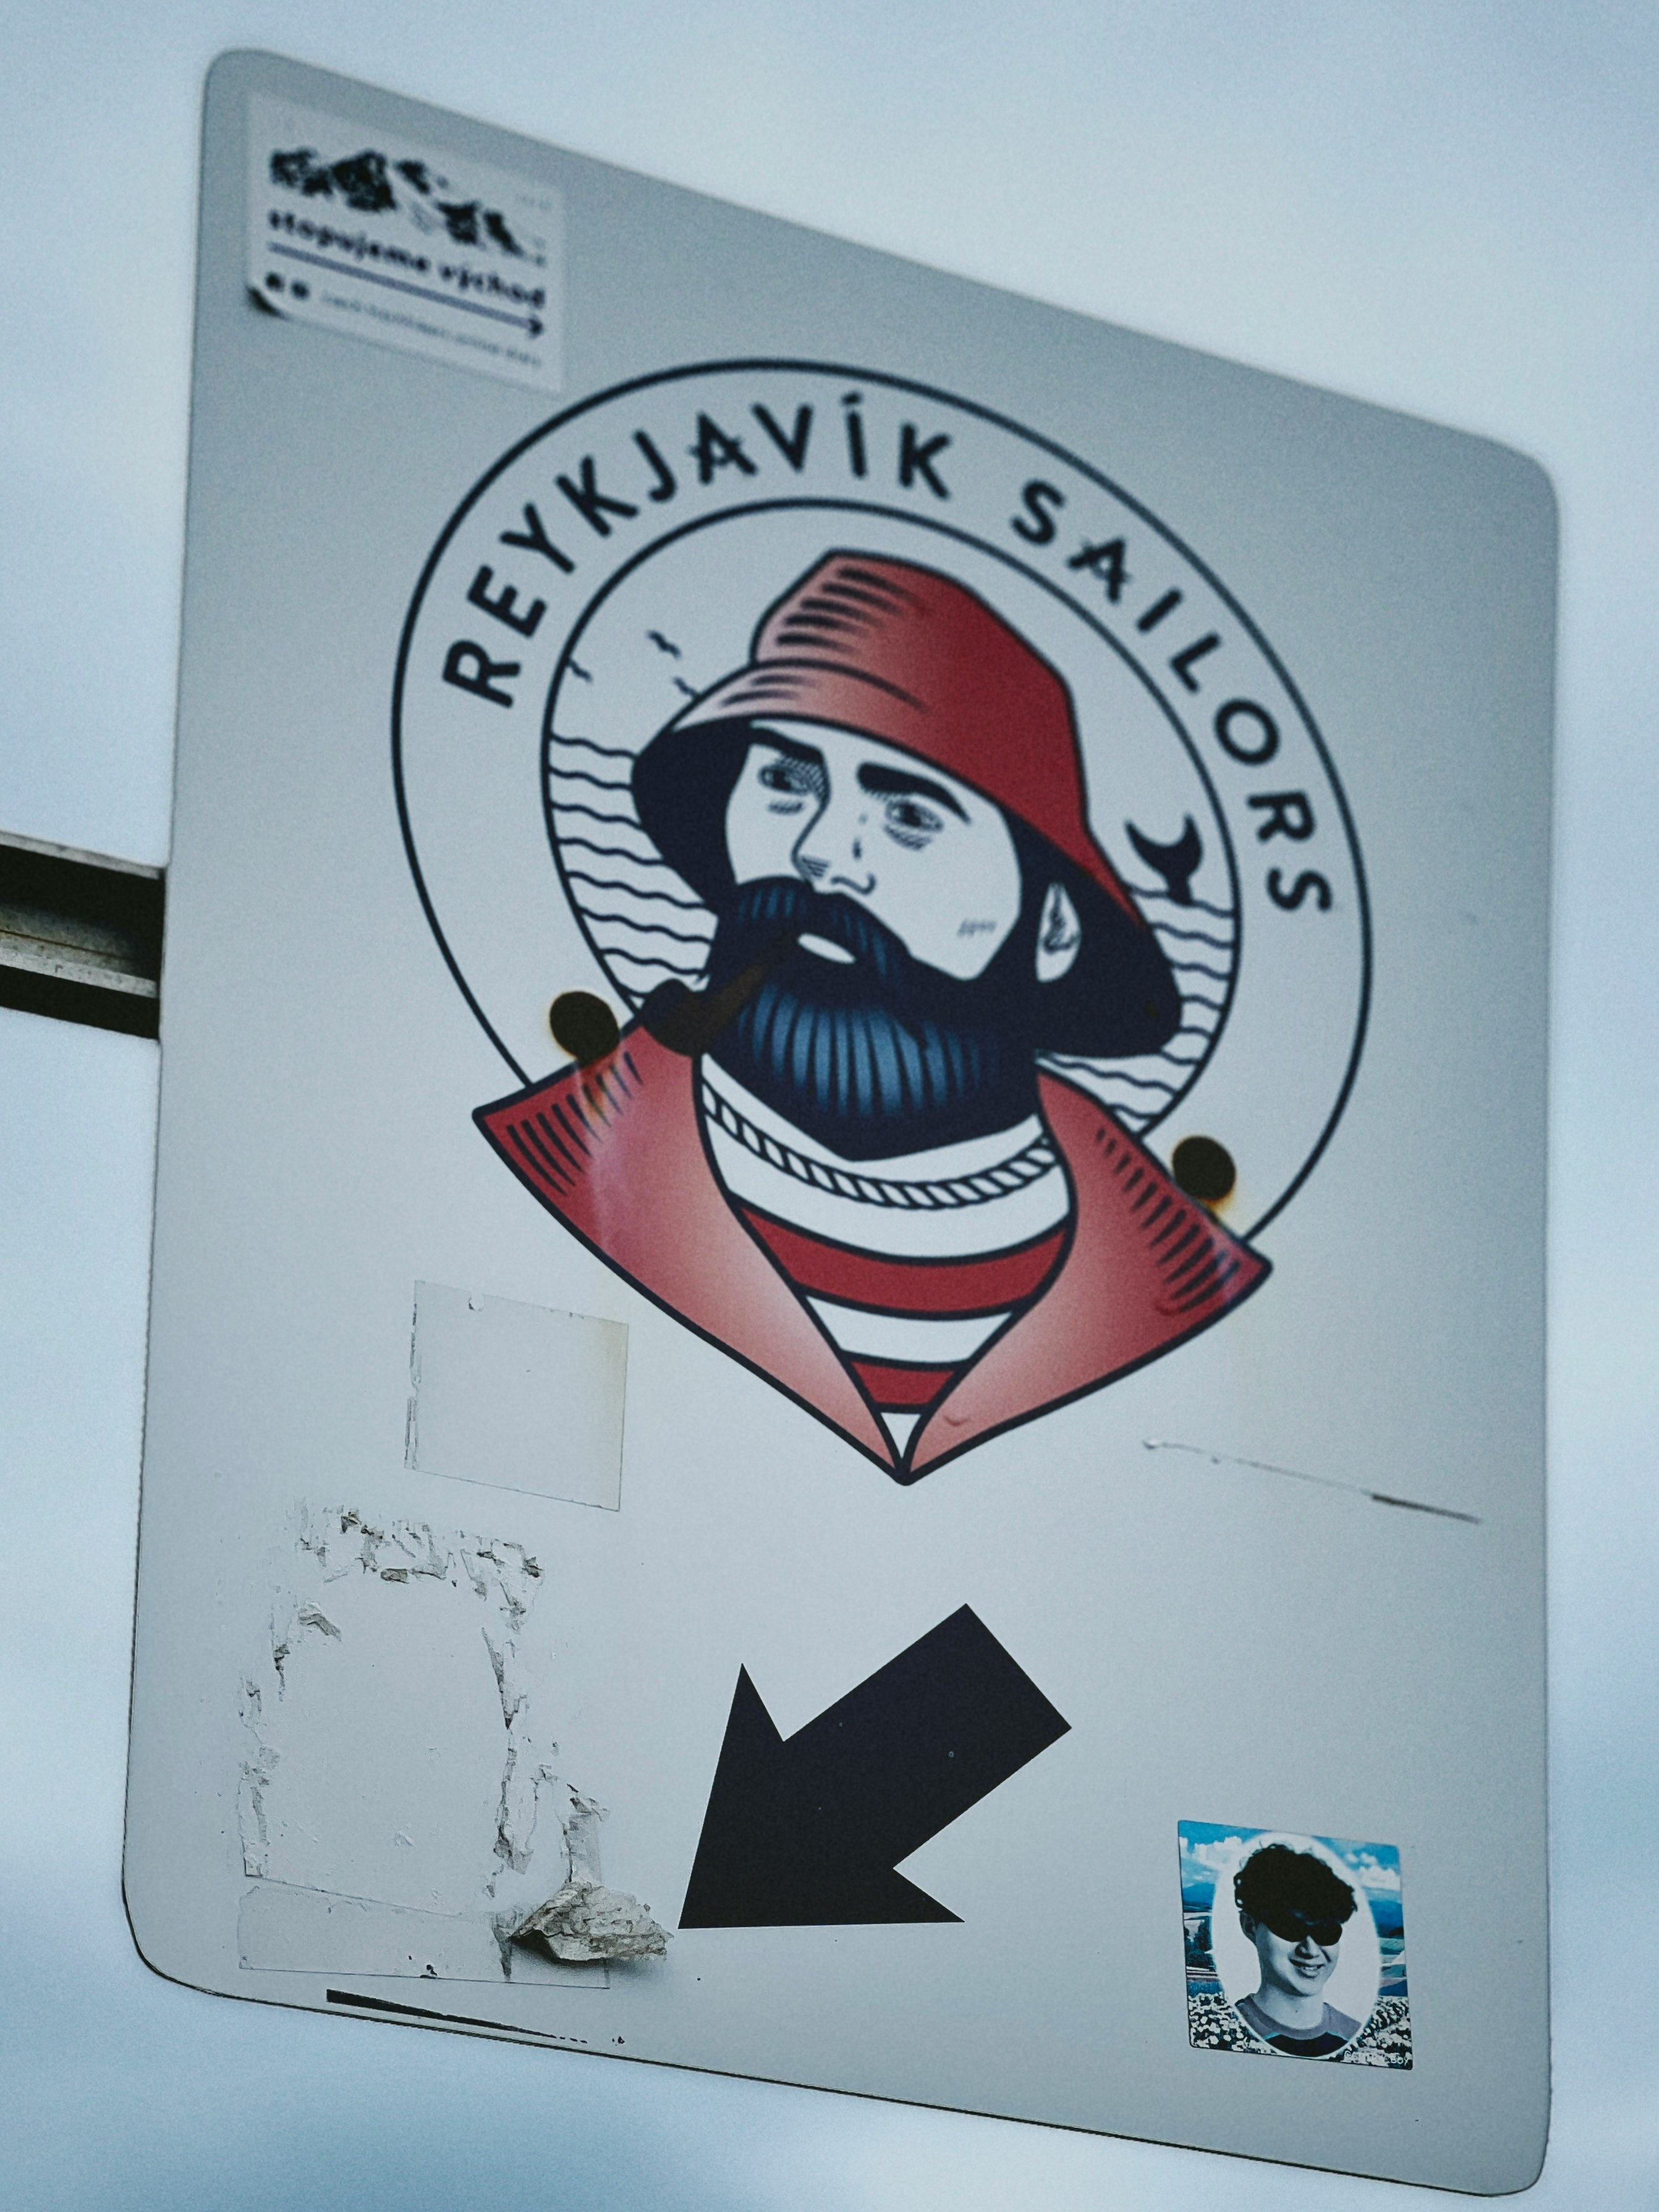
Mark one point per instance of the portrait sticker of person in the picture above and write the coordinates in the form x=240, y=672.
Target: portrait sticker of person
x=839, y=1159
x=1294, y=1945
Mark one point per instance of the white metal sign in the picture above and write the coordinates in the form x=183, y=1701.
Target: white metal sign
x=846, y=1363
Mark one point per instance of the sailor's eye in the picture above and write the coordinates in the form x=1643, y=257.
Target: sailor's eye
x=912, y=823
x=794, y=779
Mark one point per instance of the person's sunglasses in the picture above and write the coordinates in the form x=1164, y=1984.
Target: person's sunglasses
x=1291, y=1928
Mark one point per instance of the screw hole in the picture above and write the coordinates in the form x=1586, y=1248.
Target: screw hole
x=1204, y=1169
x=583, y=1026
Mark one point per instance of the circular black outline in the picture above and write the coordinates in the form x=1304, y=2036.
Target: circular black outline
x=836, y=369
x=944, y=529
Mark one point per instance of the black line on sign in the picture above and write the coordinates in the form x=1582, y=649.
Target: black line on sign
x=1416, y=1505
x=1324, y=1481
x=527, y=323
x=451, y=2019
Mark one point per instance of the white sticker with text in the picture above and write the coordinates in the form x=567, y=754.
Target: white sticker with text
x=362, y=231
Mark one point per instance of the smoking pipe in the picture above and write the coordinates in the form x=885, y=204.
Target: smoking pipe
x=688, y=1021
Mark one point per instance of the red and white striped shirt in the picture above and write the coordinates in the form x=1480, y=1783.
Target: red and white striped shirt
x=910, y=1265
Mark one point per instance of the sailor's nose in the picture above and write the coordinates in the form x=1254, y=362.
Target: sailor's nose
x=832, y=853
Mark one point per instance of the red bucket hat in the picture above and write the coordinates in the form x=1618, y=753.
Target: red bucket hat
x=917, y=659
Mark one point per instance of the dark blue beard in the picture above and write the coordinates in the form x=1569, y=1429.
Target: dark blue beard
x=882, y=1055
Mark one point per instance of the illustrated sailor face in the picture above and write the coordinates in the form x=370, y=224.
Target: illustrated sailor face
x=908, y=859
x=917, y=848
x=902, y=1018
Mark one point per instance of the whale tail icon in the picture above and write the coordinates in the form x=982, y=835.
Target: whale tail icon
x=1177, y=864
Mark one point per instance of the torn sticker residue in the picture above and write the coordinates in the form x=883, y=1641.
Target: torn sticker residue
x=586, y=1921
x=282, y=1929
x=397, y=1751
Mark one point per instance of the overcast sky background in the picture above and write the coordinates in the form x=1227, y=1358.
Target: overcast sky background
x=1452, y=209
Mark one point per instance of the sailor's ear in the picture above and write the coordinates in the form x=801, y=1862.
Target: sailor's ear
x=1247, y=1921
x=1060, y=933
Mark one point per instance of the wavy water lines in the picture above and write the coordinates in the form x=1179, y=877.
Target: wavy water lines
x=646, y=924
x=1199, y=940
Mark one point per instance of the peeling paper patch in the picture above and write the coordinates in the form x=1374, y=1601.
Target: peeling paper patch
x=587, y=1922
x=399, y=1790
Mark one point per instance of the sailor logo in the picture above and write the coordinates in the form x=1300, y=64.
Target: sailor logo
x=953, y=925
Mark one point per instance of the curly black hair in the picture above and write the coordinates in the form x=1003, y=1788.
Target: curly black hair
x=1277, y=1883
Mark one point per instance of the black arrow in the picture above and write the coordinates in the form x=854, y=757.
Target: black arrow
x=807, y=1832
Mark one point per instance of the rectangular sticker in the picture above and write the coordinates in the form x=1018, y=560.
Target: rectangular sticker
x=1294, y=1946
x=371, y=234
x=518, y=1397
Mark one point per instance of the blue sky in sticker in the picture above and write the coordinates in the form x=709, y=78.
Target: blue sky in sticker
x=1207, y=1849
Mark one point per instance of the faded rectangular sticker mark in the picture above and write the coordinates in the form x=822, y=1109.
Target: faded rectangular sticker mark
x=409, y=247
x=282, y=1929
x=518, y=1397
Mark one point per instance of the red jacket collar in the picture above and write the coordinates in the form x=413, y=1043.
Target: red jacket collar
x=617, y=1151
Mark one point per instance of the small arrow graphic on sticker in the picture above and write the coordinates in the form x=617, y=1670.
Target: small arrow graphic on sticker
x=807, y=1832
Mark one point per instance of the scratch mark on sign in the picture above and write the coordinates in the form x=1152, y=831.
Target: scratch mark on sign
x=1324, y=1481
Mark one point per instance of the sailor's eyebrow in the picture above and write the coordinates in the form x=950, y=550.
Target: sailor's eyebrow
x=897, y=782
x=808, y=755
